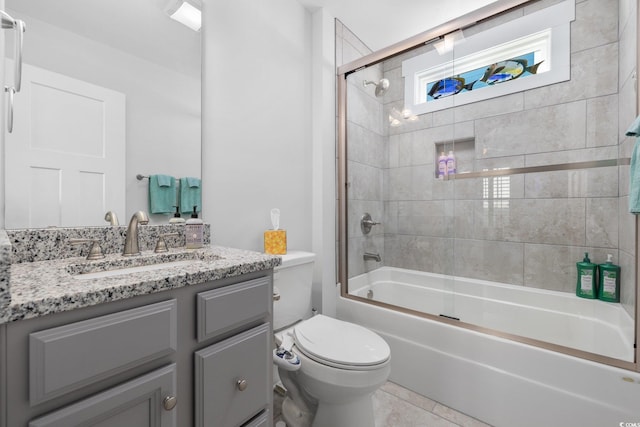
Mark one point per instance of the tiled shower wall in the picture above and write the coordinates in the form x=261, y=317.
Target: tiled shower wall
x=527, y=229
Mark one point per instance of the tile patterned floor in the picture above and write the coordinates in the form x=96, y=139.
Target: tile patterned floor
x=395, y=406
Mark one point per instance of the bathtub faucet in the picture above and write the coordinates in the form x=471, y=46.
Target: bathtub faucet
x=372, y=256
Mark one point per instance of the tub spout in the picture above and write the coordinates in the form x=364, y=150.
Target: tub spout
x=371, y=256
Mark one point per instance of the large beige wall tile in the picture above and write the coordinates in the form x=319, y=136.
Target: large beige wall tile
x=554, y=266
x=432, y=254
x=602, y=121
x=602, y=222
x=365, y=146
x=550, y=221
x=594, y=72
x=487, y=260
x=365, y=182
x=554, y=128
x=426, y=218
x=596, y=24
x=595, y=182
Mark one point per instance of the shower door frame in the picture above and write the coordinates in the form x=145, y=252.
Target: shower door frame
x=428, y=36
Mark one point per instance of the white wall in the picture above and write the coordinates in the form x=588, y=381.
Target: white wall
x=256, y=149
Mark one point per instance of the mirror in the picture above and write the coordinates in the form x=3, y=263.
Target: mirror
x=131, y=48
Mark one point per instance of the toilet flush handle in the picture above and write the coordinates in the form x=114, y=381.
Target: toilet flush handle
x=276, y=294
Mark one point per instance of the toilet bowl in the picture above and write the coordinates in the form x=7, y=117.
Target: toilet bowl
x=334, y=366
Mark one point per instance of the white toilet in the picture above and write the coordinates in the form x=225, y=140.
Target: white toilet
x=333, y=367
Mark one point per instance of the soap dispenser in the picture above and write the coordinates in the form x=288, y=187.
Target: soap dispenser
x=609, y=281
x=586, y=286
x=176, y=219
x=194, y=231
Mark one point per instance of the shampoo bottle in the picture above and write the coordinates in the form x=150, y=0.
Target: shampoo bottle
x=194, y=231
x=609, y=281
x=586, y=286
x=451, y=163
x=442, y=166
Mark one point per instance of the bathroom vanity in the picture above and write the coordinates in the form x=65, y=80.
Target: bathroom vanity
x=184, y=341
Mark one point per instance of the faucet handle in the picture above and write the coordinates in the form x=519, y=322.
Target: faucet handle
x=366, y=223
x=95, y=251
x=161, y=246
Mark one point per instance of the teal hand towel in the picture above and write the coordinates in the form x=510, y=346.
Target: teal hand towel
x=162, y=193
x=190, y=194
x=634, y=173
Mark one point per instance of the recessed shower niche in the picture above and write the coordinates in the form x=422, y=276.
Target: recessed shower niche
x=464, y=152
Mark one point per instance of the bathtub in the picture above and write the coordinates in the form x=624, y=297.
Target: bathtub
x=501, y=381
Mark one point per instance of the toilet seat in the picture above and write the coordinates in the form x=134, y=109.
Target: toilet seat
x=340, y=344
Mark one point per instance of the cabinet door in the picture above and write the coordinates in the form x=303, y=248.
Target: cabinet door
x=136, y=403
x=232, y=379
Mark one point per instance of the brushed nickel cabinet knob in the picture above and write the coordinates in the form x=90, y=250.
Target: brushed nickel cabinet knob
x=242, y=385
x=169, y=402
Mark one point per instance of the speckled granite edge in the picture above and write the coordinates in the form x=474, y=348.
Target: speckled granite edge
x=47, y=287
x=5, y=271
x=44, y=244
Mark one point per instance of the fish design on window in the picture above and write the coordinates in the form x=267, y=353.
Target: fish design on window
x=479, y=78
x=449, y=86
x=508, y=70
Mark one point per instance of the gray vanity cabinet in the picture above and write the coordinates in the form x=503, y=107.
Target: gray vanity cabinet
x=145, y=401
x=195, y=355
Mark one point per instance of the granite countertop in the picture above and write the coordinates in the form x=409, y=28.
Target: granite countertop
x=46, y=287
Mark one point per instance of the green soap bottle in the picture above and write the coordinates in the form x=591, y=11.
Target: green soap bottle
x=586, y=286
x=609, y=281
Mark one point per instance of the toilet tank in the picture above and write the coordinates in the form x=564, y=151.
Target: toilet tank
x=293, y=280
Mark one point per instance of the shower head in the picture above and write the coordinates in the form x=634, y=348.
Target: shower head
x=381, y=87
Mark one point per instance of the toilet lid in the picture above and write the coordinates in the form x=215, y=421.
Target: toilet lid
x=340, y=343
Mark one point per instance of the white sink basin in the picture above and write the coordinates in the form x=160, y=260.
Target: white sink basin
x=129, y=270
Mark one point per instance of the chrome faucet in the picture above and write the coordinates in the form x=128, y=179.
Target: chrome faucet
x=372, y=256
x=131, y=245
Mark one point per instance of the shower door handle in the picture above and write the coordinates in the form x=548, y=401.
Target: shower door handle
x=11, y=91
x=19, y=26
x=17, y=74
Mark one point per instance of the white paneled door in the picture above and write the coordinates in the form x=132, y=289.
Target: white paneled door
x=65, y=160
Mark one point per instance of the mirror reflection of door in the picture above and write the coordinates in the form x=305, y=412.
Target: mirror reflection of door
x=133, y=48
x=67, y=152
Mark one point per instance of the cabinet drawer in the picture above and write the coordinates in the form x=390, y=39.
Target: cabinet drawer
x=232, y=381
x=138, y=402
x=69, y=357
x=224, y=309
